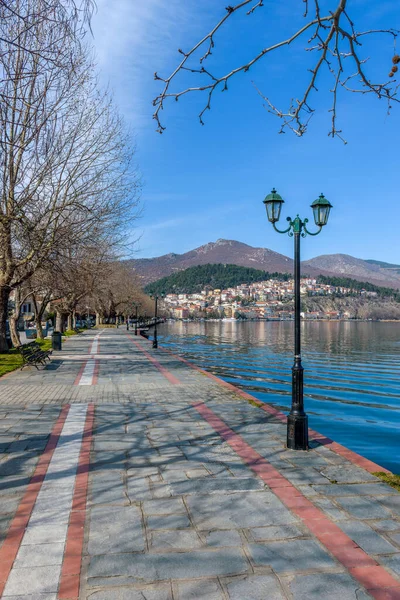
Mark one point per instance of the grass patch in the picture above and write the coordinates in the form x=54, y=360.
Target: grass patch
x=70, y=332
x=44, y=344
x=13, y=360
x=390, y=479
x=10, y=361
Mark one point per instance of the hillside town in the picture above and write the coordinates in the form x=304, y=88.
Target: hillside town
x=268, y=300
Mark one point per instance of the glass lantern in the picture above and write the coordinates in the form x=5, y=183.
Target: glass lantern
x=273, y=203
x=321, y=208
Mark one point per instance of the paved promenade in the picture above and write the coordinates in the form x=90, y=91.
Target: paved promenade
x=127, y=474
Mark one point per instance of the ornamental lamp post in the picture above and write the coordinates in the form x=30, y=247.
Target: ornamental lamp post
x=136, y=318
x=156, y=297
x=297, y=423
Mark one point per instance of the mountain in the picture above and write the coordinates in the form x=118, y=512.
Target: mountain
x=232, y=252
x=363, y=270
x=385, y=265
x=227, y=252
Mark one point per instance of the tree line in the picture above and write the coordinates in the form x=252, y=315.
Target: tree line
x=69, y=184
x=353, y=284
x=213, y=276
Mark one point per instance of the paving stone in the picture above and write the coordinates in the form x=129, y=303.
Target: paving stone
x=276, y=532
x=9, y=504
x=347, y=474
x=178, y=521
x=164, y=506
x=367, y=538
x=216, y=539
x=195, y=473
x=216, y=486
x=386, y=525
x=363, y=507
x=329, y=586
x=299, y=476
x=108, y=491
x=117, y=530
x=296, y=555
x=393, y=562
x=330, y=509
x=40, y=580
x=138, y=489
x=33, y=597
x=45, y=534
x=356, y=489
x=40, y=555
x=155, y=567
x=199, y=590
x=255, y=587
x=13, y=484
x=175, y=540
x=395, y=537
x=162, y=592
x=392, y=503
x=238, y=510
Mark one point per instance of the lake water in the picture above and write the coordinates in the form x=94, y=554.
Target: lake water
x=351, y=376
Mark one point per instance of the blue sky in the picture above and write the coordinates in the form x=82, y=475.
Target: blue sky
x=205, y=183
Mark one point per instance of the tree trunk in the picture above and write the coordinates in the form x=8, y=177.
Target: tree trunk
x=13, y=319
x=39, y=312
x=39, y=328
x=59, y=322
x=69, y=321
x=14, y=331
x=4, y=296
x=74, y=319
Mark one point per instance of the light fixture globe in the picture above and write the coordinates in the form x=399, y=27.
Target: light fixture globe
x=321, y=208
x=273, y=203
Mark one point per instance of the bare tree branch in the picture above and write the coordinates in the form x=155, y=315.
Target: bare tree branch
x=335, y=40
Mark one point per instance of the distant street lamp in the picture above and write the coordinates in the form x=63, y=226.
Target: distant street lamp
x=297, y=423
x=156, y=297
x=136, y=318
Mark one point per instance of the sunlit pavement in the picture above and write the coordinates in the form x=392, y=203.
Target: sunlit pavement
x=125, y=474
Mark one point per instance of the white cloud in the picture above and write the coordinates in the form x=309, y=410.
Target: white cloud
x=135, y=38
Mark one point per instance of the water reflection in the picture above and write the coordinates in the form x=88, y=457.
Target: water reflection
x=352, y=373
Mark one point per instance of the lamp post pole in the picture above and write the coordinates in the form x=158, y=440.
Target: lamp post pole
x=136, y=318
x=297, y=422
x=155, y=341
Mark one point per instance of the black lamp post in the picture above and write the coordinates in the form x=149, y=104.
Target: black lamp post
x=155, y=340
x=297, y=424
x=136, y=318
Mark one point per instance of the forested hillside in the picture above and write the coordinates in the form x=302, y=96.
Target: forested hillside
x=357, y=286
x=220, y=276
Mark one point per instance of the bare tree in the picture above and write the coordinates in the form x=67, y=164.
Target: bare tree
x=70, y=19
x=330, y=34
x=66, y=171
x=117, y=292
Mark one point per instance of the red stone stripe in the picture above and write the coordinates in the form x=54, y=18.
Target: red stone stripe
x=361, y=566
x=171, y=378
x=10, y=547
x=72, y=561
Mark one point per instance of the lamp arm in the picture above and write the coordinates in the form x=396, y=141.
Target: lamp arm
x=286, y=230
x=310, y=232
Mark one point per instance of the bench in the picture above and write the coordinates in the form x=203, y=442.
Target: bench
x=37, y=348
x=32, y=354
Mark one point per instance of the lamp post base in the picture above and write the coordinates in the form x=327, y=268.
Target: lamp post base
x=297, y=432
x=155, y=341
